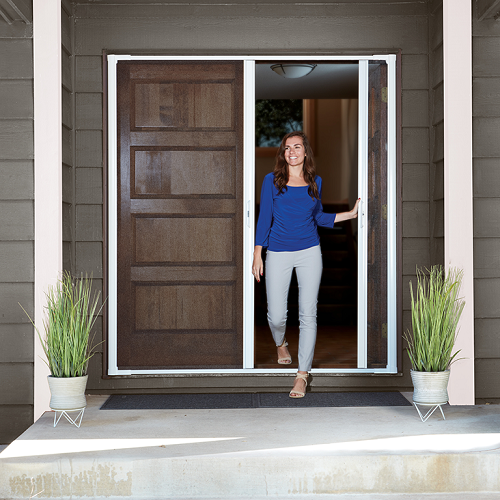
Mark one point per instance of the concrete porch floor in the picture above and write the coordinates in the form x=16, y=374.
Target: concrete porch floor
x=369, y=453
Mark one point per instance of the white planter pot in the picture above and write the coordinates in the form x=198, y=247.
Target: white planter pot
x=430, y=387
x=67, y=393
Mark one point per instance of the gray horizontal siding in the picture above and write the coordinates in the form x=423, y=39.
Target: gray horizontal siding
x=12, y=297
x=486, y=177
x=88, y=74
x=16, y=139
x=89, y=258
x=17, y=99
x=487, y=376
x=416, y=145
x=16, y=179
x=89, y=111
x=16, y=220
x=415, y=108
x=415, y=71
x=14, y=390
x=436, y=112
x=16, y=60
x=416, y=253
x=416, y=182
x=16, y=261
x=486, y=152
x=13, y=421
x=17, y=343
x=232, y=28
x=16, y=228
x=68, y=137
x=89, y=148
x=89, y=186
x=487, y=345
x=239, y=8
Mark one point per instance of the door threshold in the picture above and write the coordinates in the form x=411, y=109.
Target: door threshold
x=251, y=372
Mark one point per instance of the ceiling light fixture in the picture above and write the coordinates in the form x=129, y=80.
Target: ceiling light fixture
x=293, y=70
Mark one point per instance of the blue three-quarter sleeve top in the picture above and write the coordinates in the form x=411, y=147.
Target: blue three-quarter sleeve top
x=288, y=221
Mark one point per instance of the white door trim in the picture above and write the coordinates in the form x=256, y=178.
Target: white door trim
x=249, y=202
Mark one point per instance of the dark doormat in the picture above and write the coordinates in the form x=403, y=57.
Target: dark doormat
x=265, y=400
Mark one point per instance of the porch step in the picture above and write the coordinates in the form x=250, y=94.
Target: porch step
x=260, y=453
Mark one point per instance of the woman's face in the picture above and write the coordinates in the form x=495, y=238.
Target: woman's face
x=294, y=151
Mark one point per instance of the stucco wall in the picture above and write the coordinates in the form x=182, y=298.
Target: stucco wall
x=486, y=169
x=16, y=227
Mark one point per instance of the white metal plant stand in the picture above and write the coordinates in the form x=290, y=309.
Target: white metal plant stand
x=75, y=421
x=432, y=409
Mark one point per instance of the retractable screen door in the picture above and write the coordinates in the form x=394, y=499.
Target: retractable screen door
x=180, y=214
x=376, y=292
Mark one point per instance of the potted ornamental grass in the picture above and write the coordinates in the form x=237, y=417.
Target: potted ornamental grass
x=71, y=311
x=436, y=308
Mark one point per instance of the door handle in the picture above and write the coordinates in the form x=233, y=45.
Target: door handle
x=248, y=213
x=361, y=214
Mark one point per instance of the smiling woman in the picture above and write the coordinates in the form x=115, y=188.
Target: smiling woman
x=287, y=227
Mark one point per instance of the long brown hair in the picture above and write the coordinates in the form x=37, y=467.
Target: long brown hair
x=281, y=174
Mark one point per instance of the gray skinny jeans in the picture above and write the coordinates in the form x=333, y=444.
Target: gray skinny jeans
x=308, y=266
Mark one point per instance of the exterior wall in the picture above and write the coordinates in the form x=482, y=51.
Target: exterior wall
x=16, y=227
x=240, y=29
x=68, y=136
x=436, y=178
x=486, y=169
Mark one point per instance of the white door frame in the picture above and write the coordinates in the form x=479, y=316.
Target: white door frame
x=249, y=204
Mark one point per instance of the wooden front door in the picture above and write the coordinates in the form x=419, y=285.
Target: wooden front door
x=180, y=215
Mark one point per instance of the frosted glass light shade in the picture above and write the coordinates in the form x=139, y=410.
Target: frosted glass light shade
x=293, y=70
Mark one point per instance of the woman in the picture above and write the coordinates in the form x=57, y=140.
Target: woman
x=290, y=211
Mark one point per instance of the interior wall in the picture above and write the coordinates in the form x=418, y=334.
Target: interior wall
x=195, y=28
x=16, y=226
x=336, y=148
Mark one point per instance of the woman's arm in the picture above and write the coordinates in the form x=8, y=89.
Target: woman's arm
x=263, y=226
x=348, y=215
x=265, y=219
x=258, y=265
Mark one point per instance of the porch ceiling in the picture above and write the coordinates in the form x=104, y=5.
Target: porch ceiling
x=16, y=10
x=327, y=81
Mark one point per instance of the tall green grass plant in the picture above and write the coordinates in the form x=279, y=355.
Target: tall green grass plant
x=435, y=311
x=72, y=310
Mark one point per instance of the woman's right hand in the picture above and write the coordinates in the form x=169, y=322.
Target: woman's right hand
x=258, y=265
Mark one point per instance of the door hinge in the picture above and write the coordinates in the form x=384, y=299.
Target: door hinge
x=384, y=94
x=384, y=212
x=384, y=330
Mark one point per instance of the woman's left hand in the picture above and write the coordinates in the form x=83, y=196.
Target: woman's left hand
x=348, y=215
x=354, y=211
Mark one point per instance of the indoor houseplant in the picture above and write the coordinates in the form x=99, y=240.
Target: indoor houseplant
x=435, y=311
x=71, y=312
